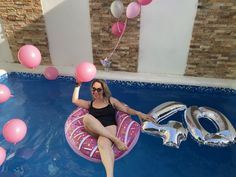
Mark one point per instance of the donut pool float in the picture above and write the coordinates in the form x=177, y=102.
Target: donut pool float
x=85, y=144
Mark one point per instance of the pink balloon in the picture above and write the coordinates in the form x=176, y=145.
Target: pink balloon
x=2, y=155
x=133, y=10
x=5, y=93
x=14, y=130
x=118, y=28
x=144, y=2
x=85, y=72
x=29, y=56
x=51, y=73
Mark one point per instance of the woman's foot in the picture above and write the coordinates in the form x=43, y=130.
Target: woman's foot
x=120, y=145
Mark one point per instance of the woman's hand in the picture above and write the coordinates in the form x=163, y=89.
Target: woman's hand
x=77, y=84
x=76, y=100
x=145, y=117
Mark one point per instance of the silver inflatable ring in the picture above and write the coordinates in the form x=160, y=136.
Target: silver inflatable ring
x=225, y=134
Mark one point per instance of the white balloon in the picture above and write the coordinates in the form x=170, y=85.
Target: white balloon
x=117, y=8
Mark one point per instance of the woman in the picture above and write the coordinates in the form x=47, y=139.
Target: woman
x=101, y=123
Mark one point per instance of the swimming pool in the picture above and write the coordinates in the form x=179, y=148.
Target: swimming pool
x=45, y=105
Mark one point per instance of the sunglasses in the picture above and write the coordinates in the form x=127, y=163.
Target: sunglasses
x=96, y=89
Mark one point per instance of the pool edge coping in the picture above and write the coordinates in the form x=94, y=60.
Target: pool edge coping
x=129, y=76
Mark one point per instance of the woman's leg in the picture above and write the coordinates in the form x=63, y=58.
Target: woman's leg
x=96, y=128
x=106, y=152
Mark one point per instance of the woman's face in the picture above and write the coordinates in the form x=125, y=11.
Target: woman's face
x=97, y=90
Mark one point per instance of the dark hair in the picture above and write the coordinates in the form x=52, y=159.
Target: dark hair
x=106, y=90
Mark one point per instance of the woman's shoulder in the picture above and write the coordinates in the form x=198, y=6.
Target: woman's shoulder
x=112, y=99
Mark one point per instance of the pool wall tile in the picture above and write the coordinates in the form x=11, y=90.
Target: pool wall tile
x=190, y=88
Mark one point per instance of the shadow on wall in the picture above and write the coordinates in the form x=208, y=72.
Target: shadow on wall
x=5, y=53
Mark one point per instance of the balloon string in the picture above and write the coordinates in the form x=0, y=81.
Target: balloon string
x=12, y=152
x=108, y=58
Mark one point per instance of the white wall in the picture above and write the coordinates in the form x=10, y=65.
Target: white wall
x=165, y=34
x=68, y=30
x=5, y=53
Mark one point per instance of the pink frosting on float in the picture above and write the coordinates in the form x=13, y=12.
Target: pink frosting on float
x=85, y=145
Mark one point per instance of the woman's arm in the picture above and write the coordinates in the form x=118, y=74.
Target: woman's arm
x=121, y=107
x=79, y=102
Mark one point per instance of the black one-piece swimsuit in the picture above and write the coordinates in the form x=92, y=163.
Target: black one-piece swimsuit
x=106, y=115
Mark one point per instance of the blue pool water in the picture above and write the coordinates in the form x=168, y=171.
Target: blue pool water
x=45, y=105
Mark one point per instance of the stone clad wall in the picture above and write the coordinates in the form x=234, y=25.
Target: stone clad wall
x=213, y=47
x=125, y=58
x=23, y=23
